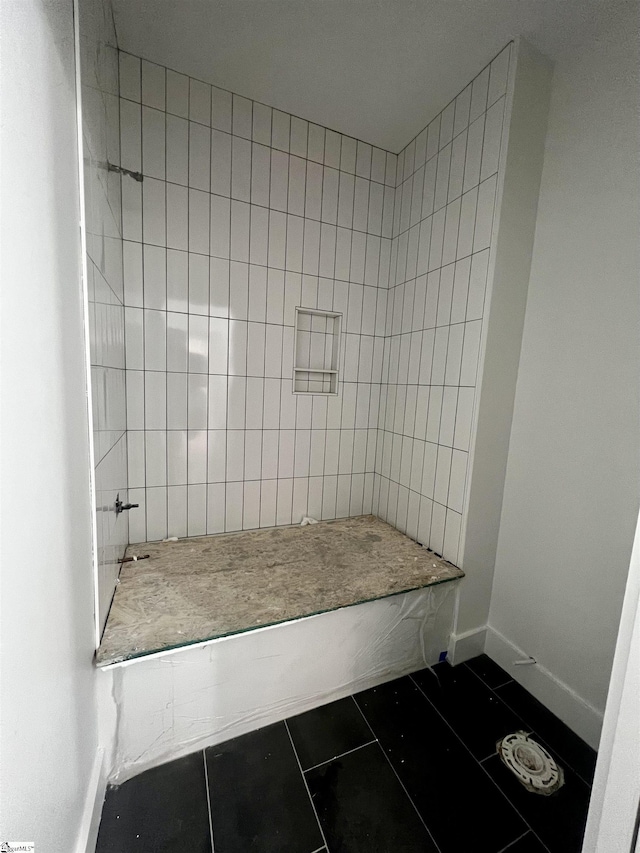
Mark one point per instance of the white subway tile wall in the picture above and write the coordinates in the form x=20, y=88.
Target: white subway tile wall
x=103, y=208
x=442, y=230
x=244, y=214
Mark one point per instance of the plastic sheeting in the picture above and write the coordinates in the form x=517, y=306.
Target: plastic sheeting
x=173, y=703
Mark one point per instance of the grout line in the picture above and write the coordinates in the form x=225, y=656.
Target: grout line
x=293, y=746
x=486, y=758
x=457, y=736
x=246, y=98
x=189, y=313
x=266, y=295
x=498, y=686
x=388, y=290
x=119, y=300
x=355, y=702
x=166, y=325
x=357, y=365
x=143, y=316
x=246, y=344
x=276, y=479
x=206, y=782
x=453, y=100
x=223, y=513
x=341, y=755
x=401, y=306
x=515, y=841
x=207, y=490
x=398, y=777
x=232, y=197
x=296, y=401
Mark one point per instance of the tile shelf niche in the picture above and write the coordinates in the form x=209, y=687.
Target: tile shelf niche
x=317, y=351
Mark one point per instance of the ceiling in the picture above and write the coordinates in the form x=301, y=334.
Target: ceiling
x=377, y=70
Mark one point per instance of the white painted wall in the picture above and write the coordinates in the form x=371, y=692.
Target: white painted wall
x=394, y=65
x=571, y=493
x=48, y=736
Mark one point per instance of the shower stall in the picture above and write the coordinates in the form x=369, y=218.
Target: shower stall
x=287, y=324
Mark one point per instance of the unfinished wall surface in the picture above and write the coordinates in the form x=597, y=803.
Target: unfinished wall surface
x=571, y=493
x=103, y=216
x=245, y=213
x=176, y=702
x=442, y=232
x=48, y=737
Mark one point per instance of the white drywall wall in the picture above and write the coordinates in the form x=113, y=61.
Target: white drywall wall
x=377, y=71
x=48, y=735
x=571, y=493
x=520, y=171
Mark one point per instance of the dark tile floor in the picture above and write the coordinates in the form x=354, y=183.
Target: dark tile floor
x=408, y=766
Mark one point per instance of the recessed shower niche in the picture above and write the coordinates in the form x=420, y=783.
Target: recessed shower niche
x=317, y=351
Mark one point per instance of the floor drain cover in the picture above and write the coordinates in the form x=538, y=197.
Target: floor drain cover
x=530, y=763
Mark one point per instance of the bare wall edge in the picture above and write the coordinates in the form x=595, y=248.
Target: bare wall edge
x=616, y=784
x=557, y=696
x=94, y=799
x=168, y=705
x=519, y=178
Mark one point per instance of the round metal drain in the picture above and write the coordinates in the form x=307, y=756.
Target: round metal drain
x=530, y=763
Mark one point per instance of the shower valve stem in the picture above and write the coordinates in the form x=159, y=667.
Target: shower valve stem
x=120, y=507
x=137, y=176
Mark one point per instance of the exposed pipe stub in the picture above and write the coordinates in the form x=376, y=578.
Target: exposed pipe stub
x=137, y=176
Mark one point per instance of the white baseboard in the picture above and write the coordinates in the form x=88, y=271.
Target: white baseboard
x=465, y=646
x=558, y=697
x=88, y=835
